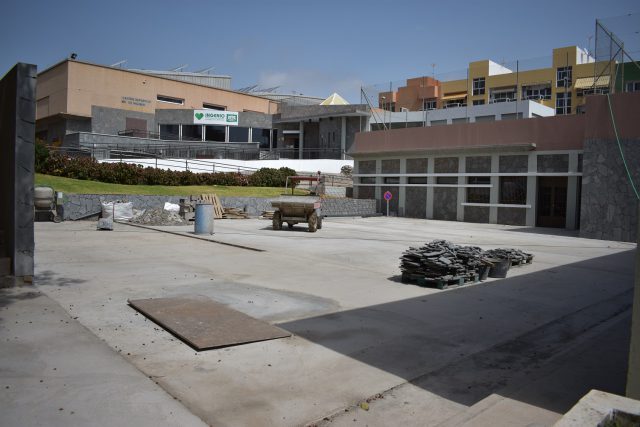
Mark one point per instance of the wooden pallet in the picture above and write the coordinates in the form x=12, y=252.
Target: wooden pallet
x=235, y=213
x=218, y=210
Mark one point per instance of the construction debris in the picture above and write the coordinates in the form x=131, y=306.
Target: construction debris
x=442, y=264
x=267, y=215
x=158, y=217
x=234, y=213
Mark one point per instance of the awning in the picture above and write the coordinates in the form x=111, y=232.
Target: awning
x=587, y=82
x=459, y=95
x=504, y=89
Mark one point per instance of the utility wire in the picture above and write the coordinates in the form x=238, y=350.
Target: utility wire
x=624, y=161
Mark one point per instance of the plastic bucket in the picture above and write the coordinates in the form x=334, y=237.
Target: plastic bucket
x=499, y=268
x=204, y=219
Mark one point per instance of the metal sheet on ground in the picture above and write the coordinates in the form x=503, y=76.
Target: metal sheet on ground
x=206, y=324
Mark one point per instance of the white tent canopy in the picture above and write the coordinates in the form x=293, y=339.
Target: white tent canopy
x=334, y=99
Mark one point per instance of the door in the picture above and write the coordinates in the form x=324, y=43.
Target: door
x=552, y=201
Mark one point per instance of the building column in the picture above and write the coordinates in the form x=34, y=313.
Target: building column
x=379, y=181
x=572, y=193
x=532, y=191
x=301, y=141
x=402, y=190
x=430, y=180
x=494, y=194
x=461, y=190
x=343, y=138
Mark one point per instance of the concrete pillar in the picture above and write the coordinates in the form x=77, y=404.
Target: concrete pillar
x=430, y=180
x=462, y=166
x=343, y=138
x=633, y=373
x=379, y=181
x=301, y=141
x=402, y=190
x=572, y=193
x=532, y=190
x=494, y=194
x=356, y=188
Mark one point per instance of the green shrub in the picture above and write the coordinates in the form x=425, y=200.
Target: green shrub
x=124, y=173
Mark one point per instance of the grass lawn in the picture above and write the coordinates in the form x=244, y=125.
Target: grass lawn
x=78, y=186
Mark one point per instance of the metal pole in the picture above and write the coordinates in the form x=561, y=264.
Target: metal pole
x=387, y=207
x=517, y=82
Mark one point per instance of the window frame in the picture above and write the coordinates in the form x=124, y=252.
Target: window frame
x=479, y=86
x=169, y=99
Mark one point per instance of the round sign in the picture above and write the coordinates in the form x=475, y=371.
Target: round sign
x=387, y=195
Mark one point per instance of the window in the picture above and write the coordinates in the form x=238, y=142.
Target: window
x=238, y=134
x=213, y=107
x=438, y=122
x=367, y=180
x=563, y=103
x=460, y=120
x=563, y=77
x=429, y=104
x=632, y=87
x=170, y=100
x=536, y=92
x=513, y=190
x=262, y=136
x=417, y=180
x=192, y=132
x=455, y=103
x=170, y=132
x=478, y=86
x=214, y=133
x=478, y=195
x=503, y=96
x=447, y=180
x=511, y=116
x=592, y=91
x=485, y=119
x=478, y=102
x=391, y=180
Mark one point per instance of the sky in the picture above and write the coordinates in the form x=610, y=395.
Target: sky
x=314, y=48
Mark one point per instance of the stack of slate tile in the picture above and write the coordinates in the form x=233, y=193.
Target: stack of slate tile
x=442, y=264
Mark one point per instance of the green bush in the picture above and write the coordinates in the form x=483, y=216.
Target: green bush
x=125, y=173
x=41, y=153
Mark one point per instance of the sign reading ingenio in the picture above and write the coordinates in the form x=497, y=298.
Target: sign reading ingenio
x=213, y=117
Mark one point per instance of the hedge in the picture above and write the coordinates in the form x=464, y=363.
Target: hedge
x=124, y=173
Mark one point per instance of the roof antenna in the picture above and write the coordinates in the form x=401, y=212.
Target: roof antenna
x=119, y=64
x=180, y=68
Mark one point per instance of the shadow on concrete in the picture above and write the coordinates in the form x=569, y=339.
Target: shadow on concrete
x=49, y=278
x=534, y=337
x=547, y=231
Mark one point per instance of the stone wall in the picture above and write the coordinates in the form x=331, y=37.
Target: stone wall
x=512, y=216
x=553, y=163
x=77, y=206
x=608, y=206
x=514, y=164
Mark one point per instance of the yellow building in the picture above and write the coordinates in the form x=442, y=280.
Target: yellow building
x=561, y=86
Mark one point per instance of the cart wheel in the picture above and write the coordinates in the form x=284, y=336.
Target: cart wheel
x=57, y=219
x=319, y=223
x=277, y=221
x=290, y=225
x=313, y=222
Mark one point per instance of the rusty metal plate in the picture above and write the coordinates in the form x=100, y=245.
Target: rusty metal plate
x=206, y=324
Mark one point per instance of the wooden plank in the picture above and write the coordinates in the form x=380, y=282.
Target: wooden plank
x=206, y=324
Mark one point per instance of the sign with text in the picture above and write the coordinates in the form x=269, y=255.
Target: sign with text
x=214, y=117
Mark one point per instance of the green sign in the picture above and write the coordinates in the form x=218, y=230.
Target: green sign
x=214, y=117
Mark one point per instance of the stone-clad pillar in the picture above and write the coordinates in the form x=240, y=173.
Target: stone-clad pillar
x=17, y=152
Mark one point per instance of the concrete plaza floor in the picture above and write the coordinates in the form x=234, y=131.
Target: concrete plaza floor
x=527, y=347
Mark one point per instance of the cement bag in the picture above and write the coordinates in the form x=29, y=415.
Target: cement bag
x=171, y=207
x=122, y=211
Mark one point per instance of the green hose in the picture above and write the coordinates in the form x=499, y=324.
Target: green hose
x=624, y=161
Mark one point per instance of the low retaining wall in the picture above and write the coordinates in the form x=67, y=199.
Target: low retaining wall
x=77, y=206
